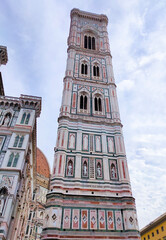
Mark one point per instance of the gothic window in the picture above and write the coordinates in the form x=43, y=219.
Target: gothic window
x=83, y=102
x=16, y=141
x=21, y=142
x=96, y=72
x=89, y=42
x=27, y=118
x=84, y=69
x=13, y=159
x=97, y=104
x=10, y=160
x=85, y=42
x=23, y=118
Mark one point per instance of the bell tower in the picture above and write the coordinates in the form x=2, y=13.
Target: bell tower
x=90, y=195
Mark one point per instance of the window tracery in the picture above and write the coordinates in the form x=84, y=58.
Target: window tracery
x=89, y=42
x=25, y=118
x=13, y=159
x=84, y=69
x=97, y=104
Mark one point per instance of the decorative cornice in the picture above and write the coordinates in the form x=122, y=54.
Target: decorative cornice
x=25, y=101
x=93, y=16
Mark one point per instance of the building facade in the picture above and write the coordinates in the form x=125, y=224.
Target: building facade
x=155, y=230
x=37, y=206
x=17, y=162
x=90, y=195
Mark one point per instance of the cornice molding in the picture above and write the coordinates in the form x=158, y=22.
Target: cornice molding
x=92, y=16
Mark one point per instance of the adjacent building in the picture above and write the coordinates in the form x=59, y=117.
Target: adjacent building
x=155, y=230
x=90, y=195
x=18, y=128
x=37, y=205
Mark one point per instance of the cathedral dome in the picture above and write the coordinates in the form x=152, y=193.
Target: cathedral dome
x=42, y=164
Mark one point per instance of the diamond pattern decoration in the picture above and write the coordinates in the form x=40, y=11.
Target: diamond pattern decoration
x=75, y=219
x=54, y=217
x=110, y=220
x=119, y=220
x=66, y=219
x=131, y=220
x=102, y=219
x=84, y=218
x=93, y=220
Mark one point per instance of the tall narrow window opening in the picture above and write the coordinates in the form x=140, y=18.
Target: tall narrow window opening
x=96, y=72
x=85, y=41
x=83, y=102
x=27, y=118
x=15, y=160
x=16, y=141
x=23, y=118
x=93, y=43
x=21, y=142
x=84, y=69
x=10, y=160
x=98, y=104
x=89, y=42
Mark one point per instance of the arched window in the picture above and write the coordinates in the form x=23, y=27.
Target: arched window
x=10, y=160
x=23, y=118
x=98, y=104
x=84, y=69
x=21, y=142
x=16, y=141
x=27, y=118
x=15, y=160
x=89, y=42
x=93, y=43
x=85, y=42
x=83, y=102
x=96, y=72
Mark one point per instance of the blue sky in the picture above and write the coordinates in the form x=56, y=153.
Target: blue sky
x=35, y=33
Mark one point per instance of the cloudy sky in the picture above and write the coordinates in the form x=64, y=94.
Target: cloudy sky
x=35, y=33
